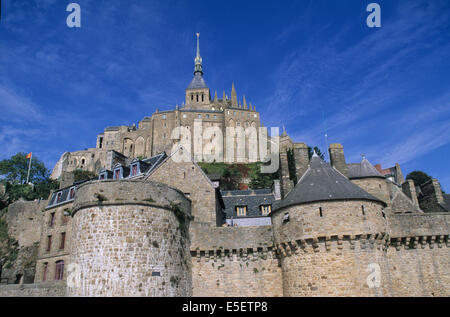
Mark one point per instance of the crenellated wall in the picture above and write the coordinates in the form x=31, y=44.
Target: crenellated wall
x=234, y=261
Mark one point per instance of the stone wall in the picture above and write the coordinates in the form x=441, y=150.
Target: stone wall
x=334, y=267
x=34, y=290
x=24, y=221
x=417, y=268
x=190, y=179
x=236, y=261
x=374, y=186
x=133, y=242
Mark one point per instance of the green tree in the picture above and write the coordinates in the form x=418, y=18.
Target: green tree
x=14, y=173
x=80, y=175
x=15, y=169
x=318, y=151
x=418, y=177
x=259, y=180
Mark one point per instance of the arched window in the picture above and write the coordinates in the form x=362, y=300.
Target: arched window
x=59, y=270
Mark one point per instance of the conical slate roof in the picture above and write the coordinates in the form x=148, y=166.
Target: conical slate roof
x=197, y=82
x=362, y=170
x=321, y=182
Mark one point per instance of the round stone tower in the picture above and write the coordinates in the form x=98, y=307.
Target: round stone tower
x=366, y=176
x=330, y=235
x=129, y=238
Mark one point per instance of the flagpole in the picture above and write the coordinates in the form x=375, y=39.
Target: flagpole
x=29, y=167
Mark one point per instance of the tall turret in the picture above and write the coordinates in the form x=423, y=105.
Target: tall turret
x=328, y=219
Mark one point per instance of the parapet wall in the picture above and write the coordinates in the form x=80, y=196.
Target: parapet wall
x=234, y=261
x=419, y=224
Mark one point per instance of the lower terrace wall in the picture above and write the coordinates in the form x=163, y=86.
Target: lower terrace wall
x=234, y=262
x=34, y=290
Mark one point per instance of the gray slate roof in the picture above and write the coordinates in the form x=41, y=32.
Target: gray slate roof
x=362, y=170
x=197, y=82
x=253, y=199
x=321, y=182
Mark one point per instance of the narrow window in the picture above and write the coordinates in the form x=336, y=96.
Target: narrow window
x=192, y=97
x=44, y=272
x=102, y=176
x=83, y=161
x=363, y=211
x=197, y=97
x=52, y=219
x=63, y=241
x=72, y=193
x=58, y=197
x=65, y=219
x=383, y=213
x=117, y=174
x=59, y=271
x=134, y=170
x=320, y=212
x=100, y=143
x=203, y=98
x=49, y=243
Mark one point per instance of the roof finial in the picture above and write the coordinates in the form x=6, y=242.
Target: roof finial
x=363, y=156
x=198, y=58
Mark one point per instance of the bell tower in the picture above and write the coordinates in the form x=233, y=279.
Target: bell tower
x=197, y=93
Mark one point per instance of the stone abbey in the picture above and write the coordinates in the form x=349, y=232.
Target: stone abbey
x=149, y=225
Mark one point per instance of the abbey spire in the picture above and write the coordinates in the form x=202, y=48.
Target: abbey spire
x=197, y=92
x=198, y=58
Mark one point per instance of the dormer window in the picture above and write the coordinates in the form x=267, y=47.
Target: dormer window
x=72, y=193
x=58, y=197
x=101, y=177
x=134, y=170
x=117, y=173
x=241, y=211
x=265, y=209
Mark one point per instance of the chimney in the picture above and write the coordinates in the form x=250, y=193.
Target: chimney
x=409, y=190
x=337, y=158
x=432, y=189
x=276, y=189
x=398, y=174
x=301, y=159
x=286, y=183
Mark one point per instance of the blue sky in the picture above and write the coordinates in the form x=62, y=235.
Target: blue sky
x=305, y=64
